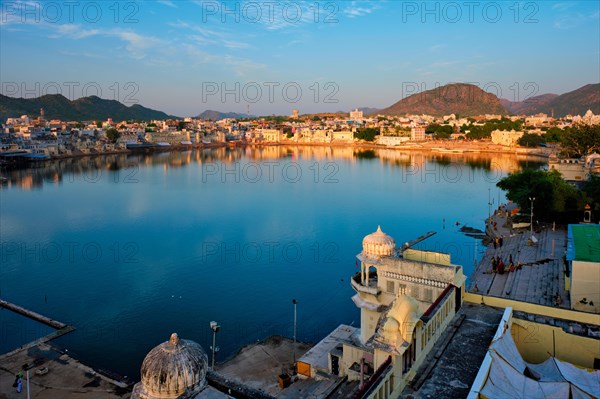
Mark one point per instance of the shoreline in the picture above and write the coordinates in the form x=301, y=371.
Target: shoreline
x=438, y=147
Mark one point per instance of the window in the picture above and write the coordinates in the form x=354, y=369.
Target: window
x=415, y=291
x=428, y=295
x=402, y=289
x=391, y=287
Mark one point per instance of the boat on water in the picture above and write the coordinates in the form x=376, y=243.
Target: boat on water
x=186, y=143
x=163, y=144
x=206, y=141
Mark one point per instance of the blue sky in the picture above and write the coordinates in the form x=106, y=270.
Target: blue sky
x=184, y=57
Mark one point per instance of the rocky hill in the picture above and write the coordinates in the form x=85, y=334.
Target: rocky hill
x=57, y=106
x=458, y=98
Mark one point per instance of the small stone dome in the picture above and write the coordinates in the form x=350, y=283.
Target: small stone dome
x=176, y=368
x=378, y=244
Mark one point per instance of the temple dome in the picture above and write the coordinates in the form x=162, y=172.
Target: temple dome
x=378, y=244
x=176, y=368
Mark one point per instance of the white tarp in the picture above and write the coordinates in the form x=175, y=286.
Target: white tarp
x=579, y=394
x=505, y=382
x=507, y=377
x=585, y=380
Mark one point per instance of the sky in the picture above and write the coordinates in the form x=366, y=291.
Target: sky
x=270, y=57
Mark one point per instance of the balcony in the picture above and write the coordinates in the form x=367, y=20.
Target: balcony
x=363, y=288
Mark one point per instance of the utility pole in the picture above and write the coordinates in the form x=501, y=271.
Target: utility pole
x=214, y=326
x=295, y=302
x=531, y=220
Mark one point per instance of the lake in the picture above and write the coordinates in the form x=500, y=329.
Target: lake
x=130, y=248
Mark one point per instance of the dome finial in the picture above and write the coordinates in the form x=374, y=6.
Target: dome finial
x=174, y=340
x=378, y=244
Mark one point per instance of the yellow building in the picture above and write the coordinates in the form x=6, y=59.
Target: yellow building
x=583, y=255
x=506, y=138
x=511, y=369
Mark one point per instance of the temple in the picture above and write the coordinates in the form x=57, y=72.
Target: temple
x=406, y=298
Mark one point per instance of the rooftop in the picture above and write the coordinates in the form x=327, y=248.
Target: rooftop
x=65, y=378
x=454, y=361
x=584, y=242
x=542, y=273
x=318, y=355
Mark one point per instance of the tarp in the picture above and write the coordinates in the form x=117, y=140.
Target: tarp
x=505, y=382
x=585, y=380
x=508, y=377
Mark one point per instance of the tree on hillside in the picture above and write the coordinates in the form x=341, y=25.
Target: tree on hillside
x=554, y=197
x=581, y=140
x=113, y=135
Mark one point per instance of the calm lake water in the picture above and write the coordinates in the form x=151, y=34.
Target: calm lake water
x=130, y=248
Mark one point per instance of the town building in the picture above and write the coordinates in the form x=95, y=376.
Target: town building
x=575, y=169
x=506, y=138
x=417, y=133
x=583, y=256
x=406, y=298
x=356, y=115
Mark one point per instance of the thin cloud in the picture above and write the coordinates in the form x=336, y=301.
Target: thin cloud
x=562, y=6
x=240, y=66
x=209, y=37
x=361, y=8
x=168, y=3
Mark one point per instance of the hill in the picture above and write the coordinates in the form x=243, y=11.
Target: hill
x=529, y=106
x=369, y=110
x=217, y=115
x=458, y=98
x=575, y=102
x=56, y=106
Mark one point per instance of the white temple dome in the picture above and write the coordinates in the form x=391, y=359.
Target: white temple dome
x=378, y=244
x=176, y=368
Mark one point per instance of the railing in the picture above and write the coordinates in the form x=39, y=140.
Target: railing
x=374, y=382
x=360, y=287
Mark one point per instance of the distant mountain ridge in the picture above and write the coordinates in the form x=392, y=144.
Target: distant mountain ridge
x=368, y=110
x=57, y=106
x=529, y=106
x=576, y=102
x=455, y=98
x=217, y=115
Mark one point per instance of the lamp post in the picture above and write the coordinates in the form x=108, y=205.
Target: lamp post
x=531, y=220
x=489, y=206
x=295, y=302
x=214, y=326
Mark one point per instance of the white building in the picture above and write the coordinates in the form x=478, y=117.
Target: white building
x=356, y=115
x=406, y=299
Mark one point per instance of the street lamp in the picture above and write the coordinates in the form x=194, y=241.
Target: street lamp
x=214, y=326
x=295, y=302
x=531, y=221
x=489, y=206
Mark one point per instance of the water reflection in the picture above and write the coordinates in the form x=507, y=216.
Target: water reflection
x=121, y=167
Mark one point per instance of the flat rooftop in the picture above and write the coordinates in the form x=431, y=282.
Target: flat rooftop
x=258, y=365
x=318, y=355
x=584, y=242
x=453, y=363
x=66, y=378
x=541, y=276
